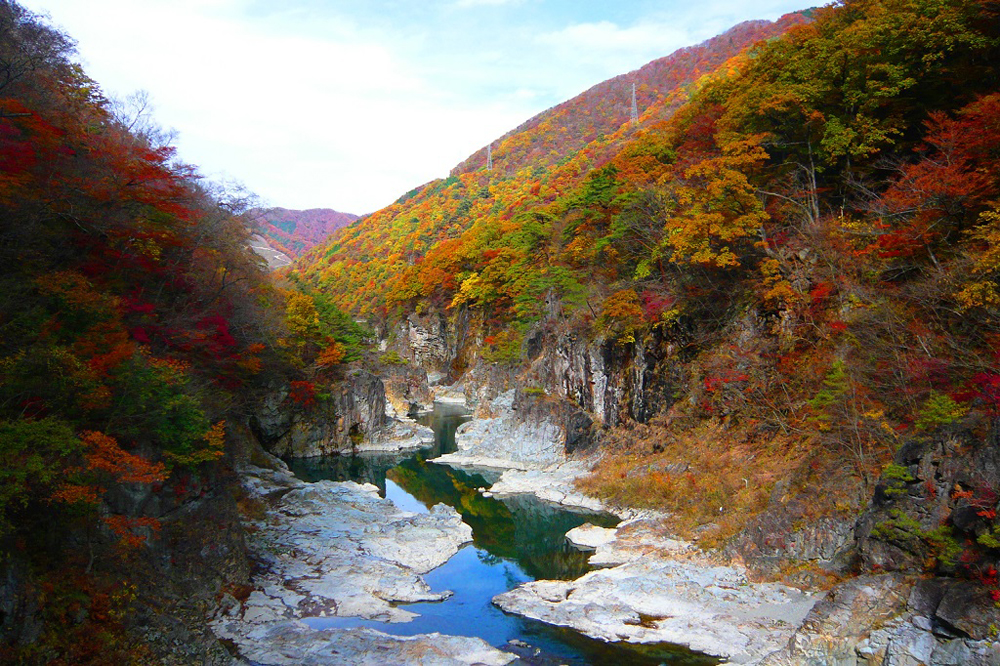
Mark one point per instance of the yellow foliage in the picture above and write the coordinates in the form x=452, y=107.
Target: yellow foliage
x=715, y=206
x=983, y=291
x=622, y=314
x=301, y=316
x=778, y=288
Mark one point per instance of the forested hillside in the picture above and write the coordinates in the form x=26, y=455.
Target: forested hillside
x=803, y=241
x=542, y=161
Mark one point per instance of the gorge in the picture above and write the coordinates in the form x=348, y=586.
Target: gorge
x=716, y=381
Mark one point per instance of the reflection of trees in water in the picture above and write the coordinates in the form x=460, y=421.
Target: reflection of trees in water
x=488, y=558
x=367, y=467
x=540, y=537
x=520, y=528
x=492, y=523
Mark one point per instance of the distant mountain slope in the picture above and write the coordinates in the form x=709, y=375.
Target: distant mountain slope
x=568, y=127
x=294, y=232
x=368, y=268
x=274, y=258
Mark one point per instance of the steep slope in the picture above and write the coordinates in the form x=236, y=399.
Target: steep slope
x=603, y=109
x=137, y=332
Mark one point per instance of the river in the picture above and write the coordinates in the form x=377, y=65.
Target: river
x=515, y=540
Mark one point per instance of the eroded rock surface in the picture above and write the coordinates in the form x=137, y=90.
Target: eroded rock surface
x=406, y=389
x=711, y=609
x=338, y=549
x=402, y=434
x=354, y=413
x=885, y=619
x=554, y=484
x=521, y=429
x=295, y=644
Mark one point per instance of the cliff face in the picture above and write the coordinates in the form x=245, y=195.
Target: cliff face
x=353, y=412
x=934, y=510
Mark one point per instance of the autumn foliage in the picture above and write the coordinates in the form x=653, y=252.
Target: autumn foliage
x=135, y=322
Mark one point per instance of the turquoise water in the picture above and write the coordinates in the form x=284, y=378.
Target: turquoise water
x=515, y=540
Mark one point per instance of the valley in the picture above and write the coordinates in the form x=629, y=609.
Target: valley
x=716, y=381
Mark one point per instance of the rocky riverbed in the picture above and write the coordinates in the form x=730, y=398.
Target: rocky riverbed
x=655, y=589
x=338, y=549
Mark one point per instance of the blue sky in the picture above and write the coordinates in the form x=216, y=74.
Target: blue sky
x=348, y=104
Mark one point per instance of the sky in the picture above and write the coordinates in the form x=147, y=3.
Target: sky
x=348, y=104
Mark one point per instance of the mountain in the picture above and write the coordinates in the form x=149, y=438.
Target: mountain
x=604, y=108
x=274, y=258
x=364, y=268
x=293, y=232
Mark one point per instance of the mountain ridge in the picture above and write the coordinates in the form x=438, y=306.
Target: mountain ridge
x=294, y=231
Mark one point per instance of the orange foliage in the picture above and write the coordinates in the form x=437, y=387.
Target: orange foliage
x=75, y=493
x=103, y=454
x=333, y=354
x=131, y=532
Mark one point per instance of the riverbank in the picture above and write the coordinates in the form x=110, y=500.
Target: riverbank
x=653, y=588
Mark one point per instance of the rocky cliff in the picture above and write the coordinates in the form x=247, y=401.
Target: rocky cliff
x=353, y=412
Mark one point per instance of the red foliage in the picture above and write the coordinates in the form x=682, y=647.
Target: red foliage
x=987, y=389
x=654, y=304
x=303, y=393
x=955, y=177
x=723, y=378
x=221, y=340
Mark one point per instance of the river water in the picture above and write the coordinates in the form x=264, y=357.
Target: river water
x=515, y=540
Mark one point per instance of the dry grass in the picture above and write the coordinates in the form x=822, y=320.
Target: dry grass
x=712, y=480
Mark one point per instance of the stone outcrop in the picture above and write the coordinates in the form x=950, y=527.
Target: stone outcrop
x=786, y=532
x=938, y=494
x=431, y=341
x=614, y=382
x=292, y=643
x=352, y=419
x=654, y=594
x=554, y=484
x=355, y=411
x=406, y=389
x=885, y=619
x=530, y=430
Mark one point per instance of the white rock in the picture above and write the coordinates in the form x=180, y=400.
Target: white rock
x=401, y=434
x=292, y=643
x=338, y=549
x=715, y=610
x=449, y=395
x=591, y=536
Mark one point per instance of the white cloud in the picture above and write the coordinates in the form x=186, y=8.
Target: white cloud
x=347, y=104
